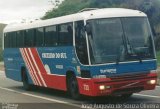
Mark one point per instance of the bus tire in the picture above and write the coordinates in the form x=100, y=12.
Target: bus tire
x=72, y=85
x=26, y=85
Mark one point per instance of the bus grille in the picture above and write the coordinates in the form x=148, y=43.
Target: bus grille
x=129, y=77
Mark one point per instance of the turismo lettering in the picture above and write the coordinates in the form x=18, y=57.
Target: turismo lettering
x=108, y=70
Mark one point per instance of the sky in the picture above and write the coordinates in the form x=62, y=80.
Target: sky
x=12, y=11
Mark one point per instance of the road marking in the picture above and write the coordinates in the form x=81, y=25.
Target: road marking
x=40, y=97
x=152, y=96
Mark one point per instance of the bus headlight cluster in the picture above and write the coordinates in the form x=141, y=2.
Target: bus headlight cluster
x=103, y=87
x=151, y=82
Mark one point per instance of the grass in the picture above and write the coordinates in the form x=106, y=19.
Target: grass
x=158, y=58
x=158, y=63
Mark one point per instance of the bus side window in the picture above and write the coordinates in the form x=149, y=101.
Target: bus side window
x=9, y=41
x=13, y=39
x=20, y=39
x=39, y=37
x=65, y=33
x=80, y=40
x=51, y=37
x=6, y=40
x=29, y=38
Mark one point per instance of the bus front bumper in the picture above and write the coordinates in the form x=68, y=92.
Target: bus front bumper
x=117, y=85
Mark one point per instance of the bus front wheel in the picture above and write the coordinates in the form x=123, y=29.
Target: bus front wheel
x=73, y=87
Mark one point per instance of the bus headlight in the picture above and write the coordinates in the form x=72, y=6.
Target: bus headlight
x=151, y=82
x=102, y=87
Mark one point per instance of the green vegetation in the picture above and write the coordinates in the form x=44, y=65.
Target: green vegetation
x=1, y=33
x=158, y=58
x=67, y=7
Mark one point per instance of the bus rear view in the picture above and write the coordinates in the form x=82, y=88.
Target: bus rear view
x=95, y=53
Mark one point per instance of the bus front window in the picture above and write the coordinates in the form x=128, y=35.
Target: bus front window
x=119, y=39
x=105, y=40
x=138, y=38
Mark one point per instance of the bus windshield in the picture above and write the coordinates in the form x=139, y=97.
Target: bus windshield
x=119, y=39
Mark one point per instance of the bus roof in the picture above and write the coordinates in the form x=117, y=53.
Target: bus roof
x=85, y=15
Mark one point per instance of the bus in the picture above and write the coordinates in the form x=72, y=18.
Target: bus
x=100, y=52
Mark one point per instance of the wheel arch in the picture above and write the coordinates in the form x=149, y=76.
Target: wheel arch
x=69, y=73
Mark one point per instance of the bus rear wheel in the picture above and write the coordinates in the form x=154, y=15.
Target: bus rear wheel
x=73, y=87
x=26, y=85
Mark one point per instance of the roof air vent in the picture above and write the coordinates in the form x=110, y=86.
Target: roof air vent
x=87, y=9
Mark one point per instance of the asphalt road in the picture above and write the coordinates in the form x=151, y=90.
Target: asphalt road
x=12, y=96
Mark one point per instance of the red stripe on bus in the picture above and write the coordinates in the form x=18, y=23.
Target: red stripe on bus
x=28, y=67
x=52, y=81
x=40, y=65
x=27, y=56
x=34, y=67
x=34, y=73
